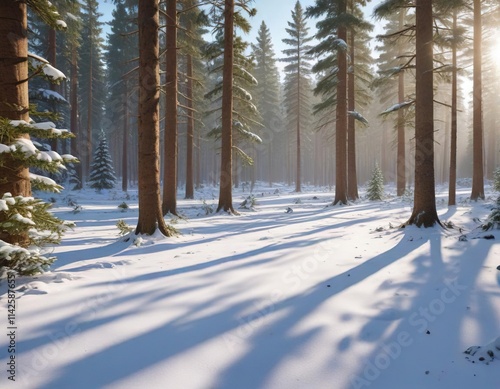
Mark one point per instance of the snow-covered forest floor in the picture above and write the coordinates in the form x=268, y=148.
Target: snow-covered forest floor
x=319, y=298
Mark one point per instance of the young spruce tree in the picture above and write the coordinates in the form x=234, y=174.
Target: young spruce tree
x=102, y=174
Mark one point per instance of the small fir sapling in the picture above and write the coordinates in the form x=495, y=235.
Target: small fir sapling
x=102, y=174
x=375, y=189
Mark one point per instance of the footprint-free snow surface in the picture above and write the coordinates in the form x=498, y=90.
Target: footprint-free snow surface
x=319, y=297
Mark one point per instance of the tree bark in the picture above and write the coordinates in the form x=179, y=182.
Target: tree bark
x=341, y=121
x=424, y=208
x=90, y=98
x=477, y=110
x=52, y=58
x=226, y=180
x=170, y=150
x=75, y=149
x=299, y=171
x=401, y=152
x=452, y=186
x=150, y=213
x=14, y=104
x=352, y=177
x=190, y=128
x=125, y=138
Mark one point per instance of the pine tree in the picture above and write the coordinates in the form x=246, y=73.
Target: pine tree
x=297, y=82
x=121, y=63
x=91, y=78
x=25, y=221
x=267, y=93
x=169, y=202
x=191, y=40
x=477, y=100
x=102, y=174
x=375, y=190
x=393, y=85
x=229, y=20
x=338, y=74
x=150, y=214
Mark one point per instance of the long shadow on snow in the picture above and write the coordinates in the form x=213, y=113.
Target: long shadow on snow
x=178, y=336
x=443, y=343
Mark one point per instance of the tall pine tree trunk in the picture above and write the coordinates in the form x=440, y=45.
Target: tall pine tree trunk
x=14, y=104
x=352, y=177
x=341, y=120
x=170, y=166
x=477, y=111
x=299, y=102
x=424, y=208
x=75, y=142
x=52, y=58
x=125, y=139
x=150, y=213
x=190, y=128
x=452, y=186
x=89, y=118
x=401, y=152
x=226, y=180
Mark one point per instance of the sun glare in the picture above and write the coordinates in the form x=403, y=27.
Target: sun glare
x=494, y=53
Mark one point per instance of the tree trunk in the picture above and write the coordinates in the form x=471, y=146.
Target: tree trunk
x=226, y=180
x=125, y=139
x=190, y=128
x=352, y=177
x=170, y=151
x=341, y=121
x=424, y=208
x=477, y=113
x=298, y=172
x=401, y=152
x=52, y=58
x=89, y=117
x=452, y=186
x=150, y=213
x=75, y=142
x=14, y=104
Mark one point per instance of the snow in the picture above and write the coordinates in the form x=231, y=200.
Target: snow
x=45, y=180
x=37, y=58
x=26, y=146
x=397, y=107
x=47, y=94
x=53, y=73
x=61, y=23
x=21, y=219
x=321, y=297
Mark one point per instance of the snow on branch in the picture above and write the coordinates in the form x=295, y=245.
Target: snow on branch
x=356, y=115
x=397, y=107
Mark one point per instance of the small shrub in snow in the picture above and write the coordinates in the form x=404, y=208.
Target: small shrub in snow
x=375, y=189
x=249, y=203
x=102, y=174
x=493, y=220
x=207, y=208
x=123, y=206
x=123, y=227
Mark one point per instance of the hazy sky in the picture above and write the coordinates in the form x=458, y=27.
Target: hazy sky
x=275, y=13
